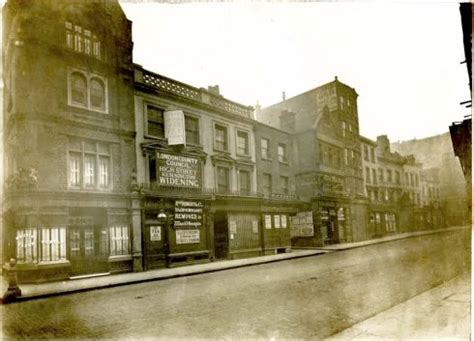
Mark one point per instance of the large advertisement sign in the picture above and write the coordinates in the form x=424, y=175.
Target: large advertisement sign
x=187, y=236
x=178, y=171
x=302, y=225
x=188, y=214
x=174, y=127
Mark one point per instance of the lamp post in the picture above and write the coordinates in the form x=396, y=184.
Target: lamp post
x=163, y=219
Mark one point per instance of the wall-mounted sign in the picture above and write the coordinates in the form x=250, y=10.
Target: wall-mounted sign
x=276, y=219
x=232, y=226
x=174, y=127
x=302, y=225
x=178, y=171
x=187, y=236
x=268, y=221
x=188, y=214
x=254, y=226
x=155, y=233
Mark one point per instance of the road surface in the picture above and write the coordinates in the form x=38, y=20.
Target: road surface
x=312, y=297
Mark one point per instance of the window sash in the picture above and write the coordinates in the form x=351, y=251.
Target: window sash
x=242, y=143
x=119, y=241
x=220, y=138
x=103, y=171
x=191, y=125
x=53, y=244
x=281, y=153
x=89, y=170
x=222, y=178
x=26, y=245
x=244, y=177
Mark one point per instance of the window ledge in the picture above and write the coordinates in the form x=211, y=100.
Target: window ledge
x=284, y=162
x=266, y=159
x=120, y=258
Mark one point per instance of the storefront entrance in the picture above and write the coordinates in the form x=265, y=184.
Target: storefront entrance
x=88, y=252
x=333, y=221
x=221, y=236
x=155, y=246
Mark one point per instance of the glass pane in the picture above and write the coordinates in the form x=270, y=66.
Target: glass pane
x=78, y=89
x=89, y=170
x=97, y=93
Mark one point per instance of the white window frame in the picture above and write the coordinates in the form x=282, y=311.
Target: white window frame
x=227, y=137
x=247, y=153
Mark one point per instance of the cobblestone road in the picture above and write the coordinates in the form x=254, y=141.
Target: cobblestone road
x=311, y=297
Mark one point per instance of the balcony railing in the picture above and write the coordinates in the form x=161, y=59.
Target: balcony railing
x=190, y=92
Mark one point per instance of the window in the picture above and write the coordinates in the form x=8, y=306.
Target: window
x=380, y=175
x=53, y=244
x=267, y=183
x=346, y=156
x=282, y=153
x=242, y=143
x=89, y=165
x=222, y=179
x=341, y=101
x=192, y=130
x=87, y=91
x=26, y=246
x=389, y=175
x=284, y=184
x=416, y=180
x=155, y=121
x=397, y=177
x=343, y=129
x=78, y=89
x=119, y=241
x=374, y=176
x=82, y=40
x=367, y=175
x=407, y=182
x=265, y=148
x=372, y=154
x=97, y=93
x=366, y=153
x=244, y=182
x=352, y=158
x=220, y=137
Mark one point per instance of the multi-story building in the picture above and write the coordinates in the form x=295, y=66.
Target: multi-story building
x=325, y=125
x=69, y=137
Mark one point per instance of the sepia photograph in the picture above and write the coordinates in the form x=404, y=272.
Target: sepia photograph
x=271, y=170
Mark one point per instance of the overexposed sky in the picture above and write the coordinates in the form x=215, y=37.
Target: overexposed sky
x=403, y=59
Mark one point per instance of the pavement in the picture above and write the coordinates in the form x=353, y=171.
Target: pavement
x=31, y=291
x=439, y=313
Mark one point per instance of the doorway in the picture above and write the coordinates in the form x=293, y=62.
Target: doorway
x=221, y=236
x=88, y=252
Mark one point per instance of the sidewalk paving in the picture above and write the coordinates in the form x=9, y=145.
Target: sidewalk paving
x=442, y=313
x=30, y=291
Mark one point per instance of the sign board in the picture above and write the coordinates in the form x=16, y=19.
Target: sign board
x=187, y=236
x=268, y=221
x=174, y=127
x=302, y=225
x=232, y=226
x=276, y=219
x=178, y=171
x=155, y=233
x=254, y=226
x=188, y=214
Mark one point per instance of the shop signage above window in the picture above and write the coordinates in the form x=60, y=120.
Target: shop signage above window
x=178, y=171
x=188, y=214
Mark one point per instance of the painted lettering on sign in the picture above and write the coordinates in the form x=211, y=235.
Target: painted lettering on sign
x=188, y=213
x=187, y=236
x=155, y=233
x=178, y=171
x=302, y=225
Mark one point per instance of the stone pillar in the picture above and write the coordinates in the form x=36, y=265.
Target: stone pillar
x=137, y=253
x=13, y=290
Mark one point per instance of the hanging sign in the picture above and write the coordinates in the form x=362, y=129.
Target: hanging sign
x=178, y=171
x=174, y=127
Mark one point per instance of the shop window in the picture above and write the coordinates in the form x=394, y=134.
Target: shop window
x=191, y=125
x=155, y=121
x=284, y=184
x=82, y=40
x=26, y=246
x=242, y=143
x=282, y=156
x=244, y=182
x=52, y=244
x=223, y=184
x=87, y=91
x=265, y=148
x=220, y=137
x=119, y=240
x=267, y=183
x=89, y=165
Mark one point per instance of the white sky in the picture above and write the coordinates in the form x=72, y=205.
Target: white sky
x=403, y=59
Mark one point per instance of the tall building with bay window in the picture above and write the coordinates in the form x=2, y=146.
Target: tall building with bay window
x=69, y=138
x=324, y=124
